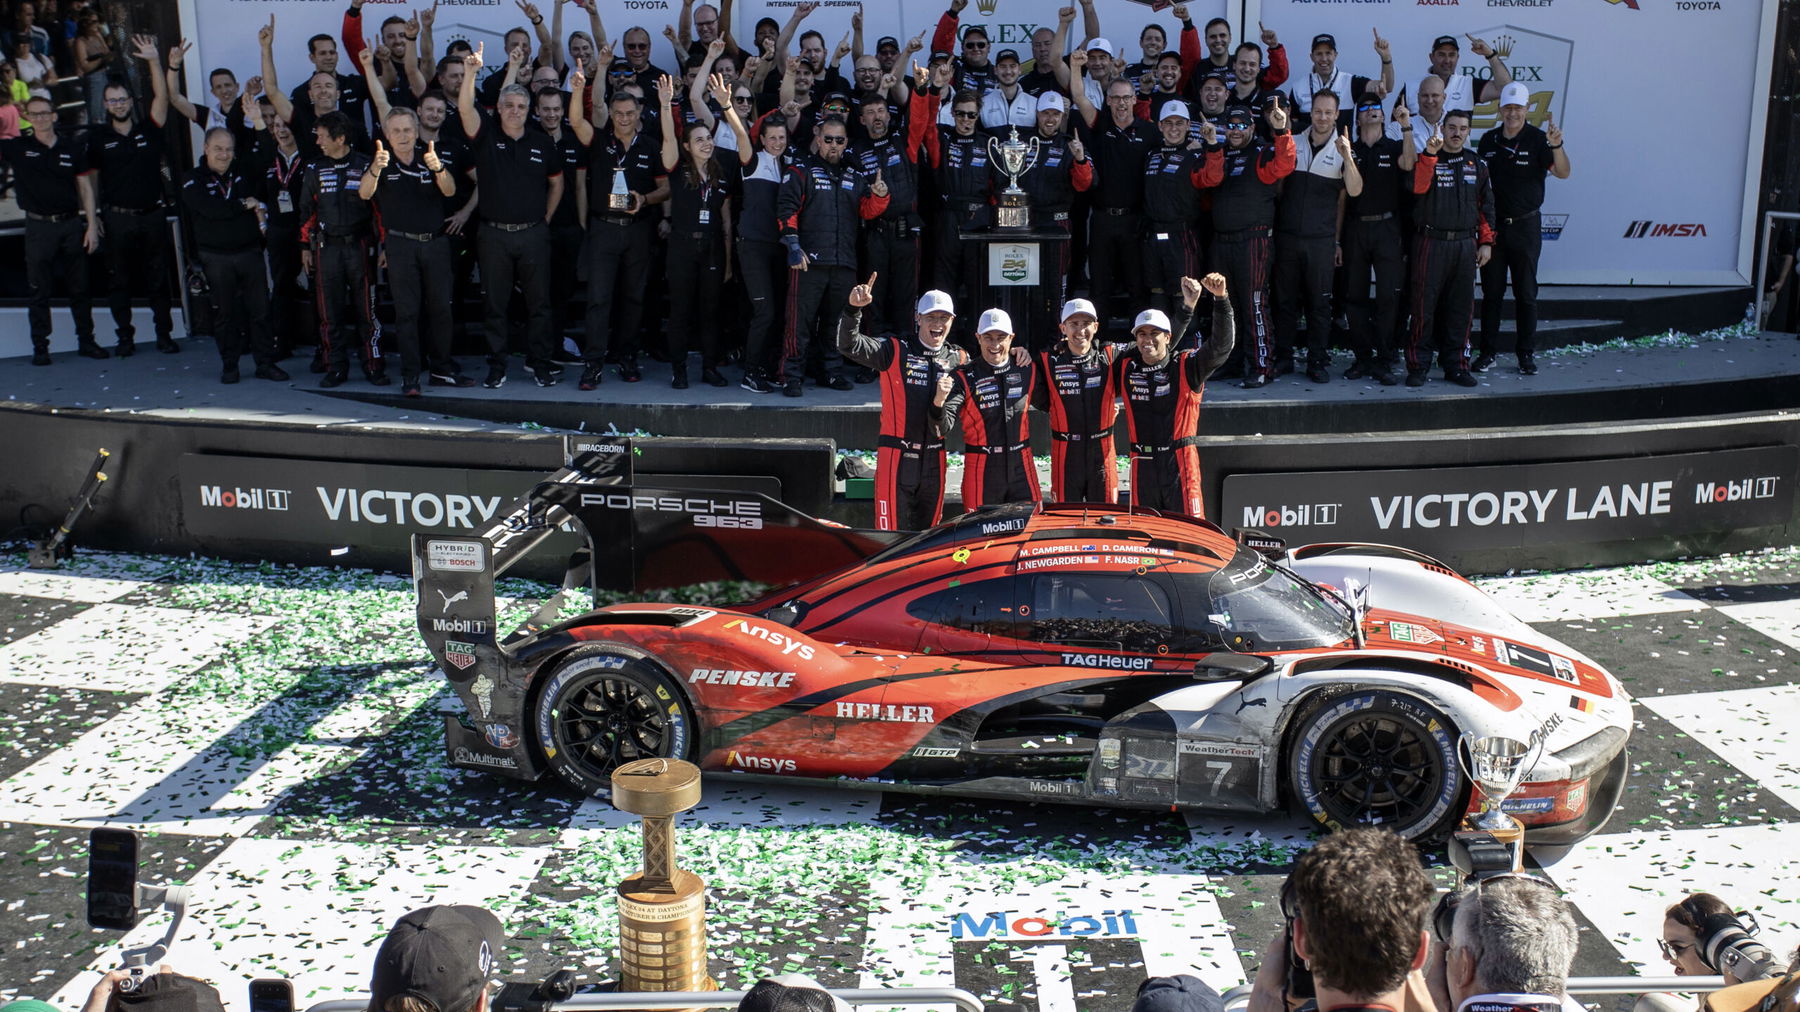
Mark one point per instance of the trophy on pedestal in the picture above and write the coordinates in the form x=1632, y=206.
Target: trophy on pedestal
x=620, y=197
x=1015, y=157
x=662, y=909
x=1496, y=765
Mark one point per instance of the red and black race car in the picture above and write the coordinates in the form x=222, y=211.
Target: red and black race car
x=1069, y=652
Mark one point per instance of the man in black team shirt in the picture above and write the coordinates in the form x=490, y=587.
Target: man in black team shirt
x=909, y=456
x=1306, y=244
x=1453, y=211
x=323, y=92
x=521, y=176
x=337, y=230
x=222, y=200
x=1118, y=140
x=1517, y=156
x=56, y=192
x=1372, y=240
x=1244, y=174
x=618, y=239
x=129, y=155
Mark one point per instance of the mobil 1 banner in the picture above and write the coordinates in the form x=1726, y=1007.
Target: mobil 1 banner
x=1451, y=508
x=337, y=504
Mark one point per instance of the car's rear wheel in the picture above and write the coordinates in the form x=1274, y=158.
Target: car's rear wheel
x=1375, y=757
x=600, y=709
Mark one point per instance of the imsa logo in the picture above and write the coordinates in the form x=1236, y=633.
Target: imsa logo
x=1647, y=229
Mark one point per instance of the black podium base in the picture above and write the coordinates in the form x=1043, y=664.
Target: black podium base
x=1021, y=272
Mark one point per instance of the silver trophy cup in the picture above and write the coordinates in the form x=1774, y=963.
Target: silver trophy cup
x=1496, y=765
x=1015, y=157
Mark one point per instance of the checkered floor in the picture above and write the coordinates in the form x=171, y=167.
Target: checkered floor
x=272, y=733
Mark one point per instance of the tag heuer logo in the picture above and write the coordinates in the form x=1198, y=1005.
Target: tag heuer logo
x=462, y=655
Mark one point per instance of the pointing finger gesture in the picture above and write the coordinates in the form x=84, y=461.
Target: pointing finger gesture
x=863, y=294
x=1552, y=132
x=1381, y=45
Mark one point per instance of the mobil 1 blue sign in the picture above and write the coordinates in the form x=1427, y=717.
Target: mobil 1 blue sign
x=1443, y=509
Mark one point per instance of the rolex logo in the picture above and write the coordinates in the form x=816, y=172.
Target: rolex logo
x=1503, y=46
x=986, y=6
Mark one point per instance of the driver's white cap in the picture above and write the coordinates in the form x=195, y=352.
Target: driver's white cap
x=1152, y=318
x=992, y=320
x=1174, y=107
x=1515, y=94
x=1077, y=307
x=935, y=301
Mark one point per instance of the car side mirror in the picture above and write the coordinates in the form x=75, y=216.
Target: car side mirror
x=1221, y=667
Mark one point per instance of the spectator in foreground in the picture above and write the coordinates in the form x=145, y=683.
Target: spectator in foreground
x=437, y=959
x=1513, y=942
x=1355, y=907
x=1181, y=993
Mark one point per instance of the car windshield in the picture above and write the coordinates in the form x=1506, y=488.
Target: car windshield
x=1259, y=607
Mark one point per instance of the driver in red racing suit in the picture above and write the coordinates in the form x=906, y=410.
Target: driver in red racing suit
x=1079, y=394
x=909, y=457
x=991, y=397
x=1162, y=390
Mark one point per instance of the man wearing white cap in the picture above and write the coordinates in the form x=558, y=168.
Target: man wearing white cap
x=909, y=455
x=1162, y=391
x=1517, y=156
x=1078, y=393
x=990, y=398
x=1172, y=181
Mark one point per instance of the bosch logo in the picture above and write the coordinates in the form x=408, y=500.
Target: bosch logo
x=1735, y=491
x=245, y=498
x=1319, y=514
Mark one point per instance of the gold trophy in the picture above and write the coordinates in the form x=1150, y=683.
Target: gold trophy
x=1015, y=158
x=1496, y=765
x=662, y=909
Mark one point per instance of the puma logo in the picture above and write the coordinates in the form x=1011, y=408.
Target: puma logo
x=1251, y=702
x=450, y=599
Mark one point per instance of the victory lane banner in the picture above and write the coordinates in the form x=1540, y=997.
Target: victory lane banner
x=336, y=504
x=1449, y=509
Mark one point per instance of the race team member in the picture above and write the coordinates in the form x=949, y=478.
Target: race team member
x=1118, y=141
x=1078, y=392
x=891, y=241
x=1244, y=173
x=618, y=241
x=1062, y=170
x=1464, y=91
x=991, y=398
x=286, y=171
x=409, y=188
x=1372, y=241
x=515, y=238
x=56, y=192
x=960, y=167
x=1517, y=156
x=761, y=258
x=1172, y=182
x=1246, y=91
x=1008, y=103
x=974, y=71
x=221, y=200
x=909, y=456
x=1307, y=223
x=1326, y=75
x=129, y=156
x=337, y=235
x=1452, y=212
x=350, y=92
x=1162, y=390
x=1219, y=57
x=822, y=206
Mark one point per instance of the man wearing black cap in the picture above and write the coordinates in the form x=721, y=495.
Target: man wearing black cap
x=1245, y=172
x=1326, y=75
x=439, y=959
x=1453, y=213
x=1464, y=91
x=165, y=991
x=974, y=71
x=1008, y=104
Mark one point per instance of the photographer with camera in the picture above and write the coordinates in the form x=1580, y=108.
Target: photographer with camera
x=1508, y=943
x=1354, y=935
x=1701, y=936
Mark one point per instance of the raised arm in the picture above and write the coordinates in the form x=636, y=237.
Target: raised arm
x=555, y=56
x=584, y=130
x=427, y=51
x=721, y=93
x=1060, y=45
x=702, y=82
x=538, y=27
x=377, y=93
x=786, y=37
x=1085, y=105
x=177, y=100
x=665, y=98
x=283, y=106
x=145, y=49
x=725, y=29
x=856, y=35
x=1090, y=19
x=466, y=109
x=684, y=27
x=415, y=74
x=1499, y=76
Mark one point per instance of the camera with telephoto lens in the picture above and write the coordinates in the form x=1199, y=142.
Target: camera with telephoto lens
x=539, y=997
x=1478, y=856
x=1727, y=944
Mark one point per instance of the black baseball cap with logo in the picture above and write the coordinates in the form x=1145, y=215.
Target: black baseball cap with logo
x=1007, y=54
x=442, y=955
x=1239, y=116
x=1446, y=40
x=1326, y=40
x=887, y=42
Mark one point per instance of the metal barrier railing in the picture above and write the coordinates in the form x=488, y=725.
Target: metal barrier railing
x=1238, y=998
x=729, y=999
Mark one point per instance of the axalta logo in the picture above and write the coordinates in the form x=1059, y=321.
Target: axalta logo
x=417, y=509
x=886, y=712
x=706, y=511
x=1734, y=491
x=747, y=679
x=1317, y=514
x=743, y=761
x=245, y=498
x=1108, y=923
x=1647, y=229
x=788, y=644
x=466, y=626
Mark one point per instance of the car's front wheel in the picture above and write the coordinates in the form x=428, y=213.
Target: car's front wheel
x=1375, y=757
x=600, y=709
